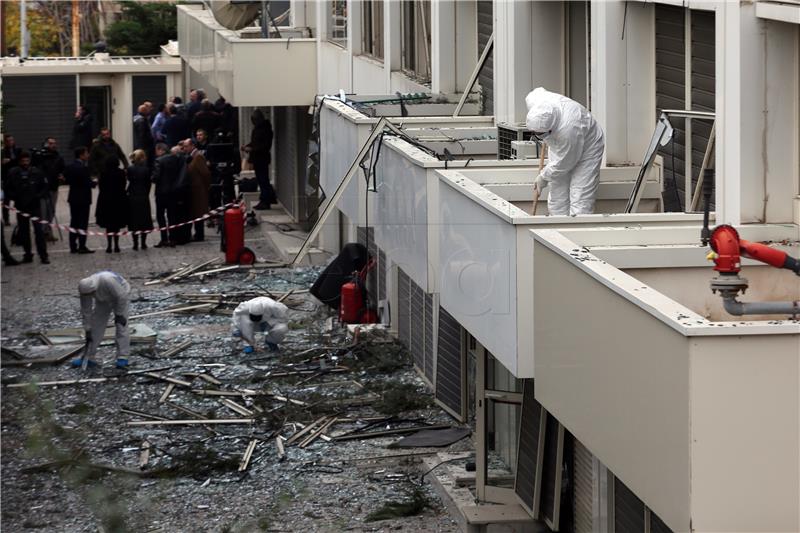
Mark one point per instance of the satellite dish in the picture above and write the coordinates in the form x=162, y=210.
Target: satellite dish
x=234, y=14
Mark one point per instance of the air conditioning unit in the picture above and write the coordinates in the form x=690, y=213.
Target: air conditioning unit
x=524, y=150
x=507, y=133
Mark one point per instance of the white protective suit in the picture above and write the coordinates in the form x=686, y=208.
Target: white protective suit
x=273, y=320
x=101, y=294
x=575, y=143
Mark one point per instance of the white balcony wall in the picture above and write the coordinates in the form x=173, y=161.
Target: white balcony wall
x=334, y=69
x=682, y=409
x=368, y=77
x=484, y=249
x=247, y=72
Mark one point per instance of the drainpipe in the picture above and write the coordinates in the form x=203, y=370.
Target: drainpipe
x=24, y=36
x=736, y=308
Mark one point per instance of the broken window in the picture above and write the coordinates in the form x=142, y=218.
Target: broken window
x=337, y=22
x=372, y=28
x=416, y=42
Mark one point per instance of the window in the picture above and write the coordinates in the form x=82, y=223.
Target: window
x=337, y=22
x=372, y=28
x=416, y=44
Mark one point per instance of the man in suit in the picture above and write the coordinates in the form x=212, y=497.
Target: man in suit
x=26, y=186
x=78, y=177
x=166, y=173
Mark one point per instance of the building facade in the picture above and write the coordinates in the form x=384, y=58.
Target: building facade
x=589, y=353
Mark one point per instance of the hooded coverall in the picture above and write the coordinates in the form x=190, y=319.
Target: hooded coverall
x=101, y=294
x=273, y=320
x=576, y=144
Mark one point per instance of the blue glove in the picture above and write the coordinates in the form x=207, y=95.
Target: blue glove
x=248, y=349
x=272, y=347
x=122, y=362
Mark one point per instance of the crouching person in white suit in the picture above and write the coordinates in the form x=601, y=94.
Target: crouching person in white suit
x=260, y=314
x=104, y=293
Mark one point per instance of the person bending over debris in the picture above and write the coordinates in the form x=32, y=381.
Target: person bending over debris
x=576, y=144
x=101, y=294
x=263, y=314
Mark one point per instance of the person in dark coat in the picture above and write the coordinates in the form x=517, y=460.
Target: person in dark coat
x=166, y=171
x=82, y=128
x=259, y=150
x=79, y=179
x=206, y=119
x=183, y=196
x=200, y=179
x=103, y=148
x=26, y=186
x=51, y=164
x=142, y=136
x=196, y=97
x=176, y=127
x=112, y=202
x=139, y=183
x=10, y=154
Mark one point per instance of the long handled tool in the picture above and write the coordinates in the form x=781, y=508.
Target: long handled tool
x=85, y=356
x=536, y=191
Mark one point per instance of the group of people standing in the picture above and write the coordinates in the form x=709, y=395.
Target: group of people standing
x=170, y=144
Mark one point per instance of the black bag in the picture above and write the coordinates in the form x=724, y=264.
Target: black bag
x=248, y=185
x=328, y=286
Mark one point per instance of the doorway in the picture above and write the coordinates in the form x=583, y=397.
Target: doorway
x=97, y=99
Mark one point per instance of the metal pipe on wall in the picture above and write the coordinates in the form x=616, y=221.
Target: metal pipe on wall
x=737, y=308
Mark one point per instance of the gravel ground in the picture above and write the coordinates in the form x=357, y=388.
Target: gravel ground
x=191, y=482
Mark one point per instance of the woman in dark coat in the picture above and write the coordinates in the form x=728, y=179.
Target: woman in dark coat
x=140, y=218
x=112, y=202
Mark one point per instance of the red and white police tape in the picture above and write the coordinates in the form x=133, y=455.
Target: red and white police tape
x=65, y=227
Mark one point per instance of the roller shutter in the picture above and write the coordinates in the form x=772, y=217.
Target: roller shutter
x=486, y=76
x=403, y=307
x=670, y=89
x=671, y=82
x=529, y=456
x=366, y=236
x=628, y=510
x=39, y=106
x=429, y=337
x=292, y=130
x=553, y=455
x=417, y=321
x=450, y=366
x=383, y=269
x=582, y=491
x=703, y=82
x=657, y=525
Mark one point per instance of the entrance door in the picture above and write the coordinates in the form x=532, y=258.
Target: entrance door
x=97, y=100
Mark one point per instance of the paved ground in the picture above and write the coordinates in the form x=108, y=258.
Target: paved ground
x=316, y=489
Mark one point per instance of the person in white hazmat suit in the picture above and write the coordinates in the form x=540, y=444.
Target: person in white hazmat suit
x=260, y=314
x=102, y=294
x=575, y=142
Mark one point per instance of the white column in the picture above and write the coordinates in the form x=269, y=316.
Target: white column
x=529, y=53
x=391, y=41
x=443, y=46
x=623, y=78
x=466, y=39
x=757, y=117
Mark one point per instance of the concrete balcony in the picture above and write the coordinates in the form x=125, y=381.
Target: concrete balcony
x=248, y=71
x=479, y=250
x=639, y=361
x=344, y=129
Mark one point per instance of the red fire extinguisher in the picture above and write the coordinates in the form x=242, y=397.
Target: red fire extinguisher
x=233, y=234
x=354, y=306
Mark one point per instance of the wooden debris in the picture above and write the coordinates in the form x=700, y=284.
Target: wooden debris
x=214, y=271
x=190, y=422
x=177, y=349
x=167, y=392
x=141, y=413
x=281, y=449
x=386, y=433
x=171, y=310
x=305, y=430
x=61, y=382
x=209, y=378
x=144, y=456
x=237, y=408
x=190, y=412
x=146, y=370
x=183, y=272
x=248, y=453
x=168, y=379
x=282, y=298
x=318, y=433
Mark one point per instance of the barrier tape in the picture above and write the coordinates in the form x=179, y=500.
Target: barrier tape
x=65, y=227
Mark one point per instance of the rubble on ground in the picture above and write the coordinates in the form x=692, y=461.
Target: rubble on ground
x=200, y=436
